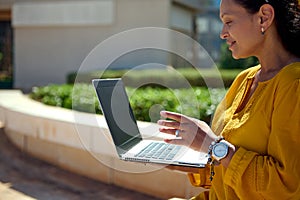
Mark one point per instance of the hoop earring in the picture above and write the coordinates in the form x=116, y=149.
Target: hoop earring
x=262, y=31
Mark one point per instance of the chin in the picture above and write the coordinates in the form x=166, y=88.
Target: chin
x=237, y=56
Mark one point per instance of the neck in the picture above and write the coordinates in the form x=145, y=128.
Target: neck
x=277, y=62
x=272, y=64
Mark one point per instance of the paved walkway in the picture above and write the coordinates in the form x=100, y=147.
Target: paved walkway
x=25, y=178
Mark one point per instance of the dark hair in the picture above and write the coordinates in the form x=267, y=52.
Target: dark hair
x=287, y=20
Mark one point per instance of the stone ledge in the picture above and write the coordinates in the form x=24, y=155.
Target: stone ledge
x=80, y=142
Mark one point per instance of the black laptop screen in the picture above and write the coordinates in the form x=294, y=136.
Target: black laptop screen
x=117, y=111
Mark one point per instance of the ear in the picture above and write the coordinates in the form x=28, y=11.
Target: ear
x=266, y=14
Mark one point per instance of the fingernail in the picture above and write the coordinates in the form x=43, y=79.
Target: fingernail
x=163, y=113
x=167, y=140
x=159, y=122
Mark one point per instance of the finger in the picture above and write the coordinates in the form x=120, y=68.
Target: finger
x=177, y=132
x=167, y=123
x=187, y=127
x=175, y=116
x=175, y=141
x=170, y=131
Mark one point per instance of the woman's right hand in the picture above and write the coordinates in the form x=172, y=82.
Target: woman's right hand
x=194, y=133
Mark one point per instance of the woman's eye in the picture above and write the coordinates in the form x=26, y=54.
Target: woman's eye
x=228, y=22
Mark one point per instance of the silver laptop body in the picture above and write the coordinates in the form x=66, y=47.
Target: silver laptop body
x=126, y=136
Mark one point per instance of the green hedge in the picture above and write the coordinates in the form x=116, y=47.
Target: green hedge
x=158, y=77
x=146, y=102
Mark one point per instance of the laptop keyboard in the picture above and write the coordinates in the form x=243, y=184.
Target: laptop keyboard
x=157, y=150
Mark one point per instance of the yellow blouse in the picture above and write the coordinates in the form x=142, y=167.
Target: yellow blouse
x=267, y=130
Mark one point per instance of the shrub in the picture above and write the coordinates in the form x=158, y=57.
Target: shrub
x=174, y=78
x=54, y=95
x=146, y=102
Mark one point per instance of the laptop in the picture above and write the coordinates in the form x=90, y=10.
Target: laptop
x=128, y=141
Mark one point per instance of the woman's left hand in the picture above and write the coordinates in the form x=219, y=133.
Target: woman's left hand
x=194, y=133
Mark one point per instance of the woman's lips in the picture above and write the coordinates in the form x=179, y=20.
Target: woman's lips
x=230, y=44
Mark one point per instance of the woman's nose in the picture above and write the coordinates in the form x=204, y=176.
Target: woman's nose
x=224, y=33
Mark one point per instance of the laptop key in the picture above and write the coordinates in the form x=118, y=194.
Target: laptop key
x=173, y=153
x=166, y=152
x=154, y=150
x=159, y=151
x=148, y=150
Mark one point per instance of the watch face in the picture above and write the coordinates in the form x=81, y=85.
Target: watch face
x=220, y=150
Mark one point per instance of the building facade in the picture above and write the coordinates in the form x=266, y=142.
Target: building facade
x=209, y=27
x=51, y=38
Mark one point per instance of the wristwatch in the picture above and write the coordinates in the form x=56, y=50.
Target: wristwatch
x=220, y=150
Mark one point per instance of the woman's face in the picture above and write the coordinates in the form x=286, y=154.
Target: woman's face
x=240, y=29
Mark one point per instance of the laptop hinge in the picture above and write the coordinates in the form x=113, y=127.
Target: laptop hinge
x=130, y=143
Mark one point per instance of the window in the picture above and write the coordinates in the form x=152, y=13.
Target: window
x=202, y=25
x=5, y=49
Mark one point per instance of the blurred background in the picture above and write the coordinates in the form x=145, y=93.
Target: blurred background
x=43, y=41
x=42, y=46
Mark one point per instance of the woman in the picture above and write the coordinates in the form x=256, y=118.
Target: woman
x=255, y=134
